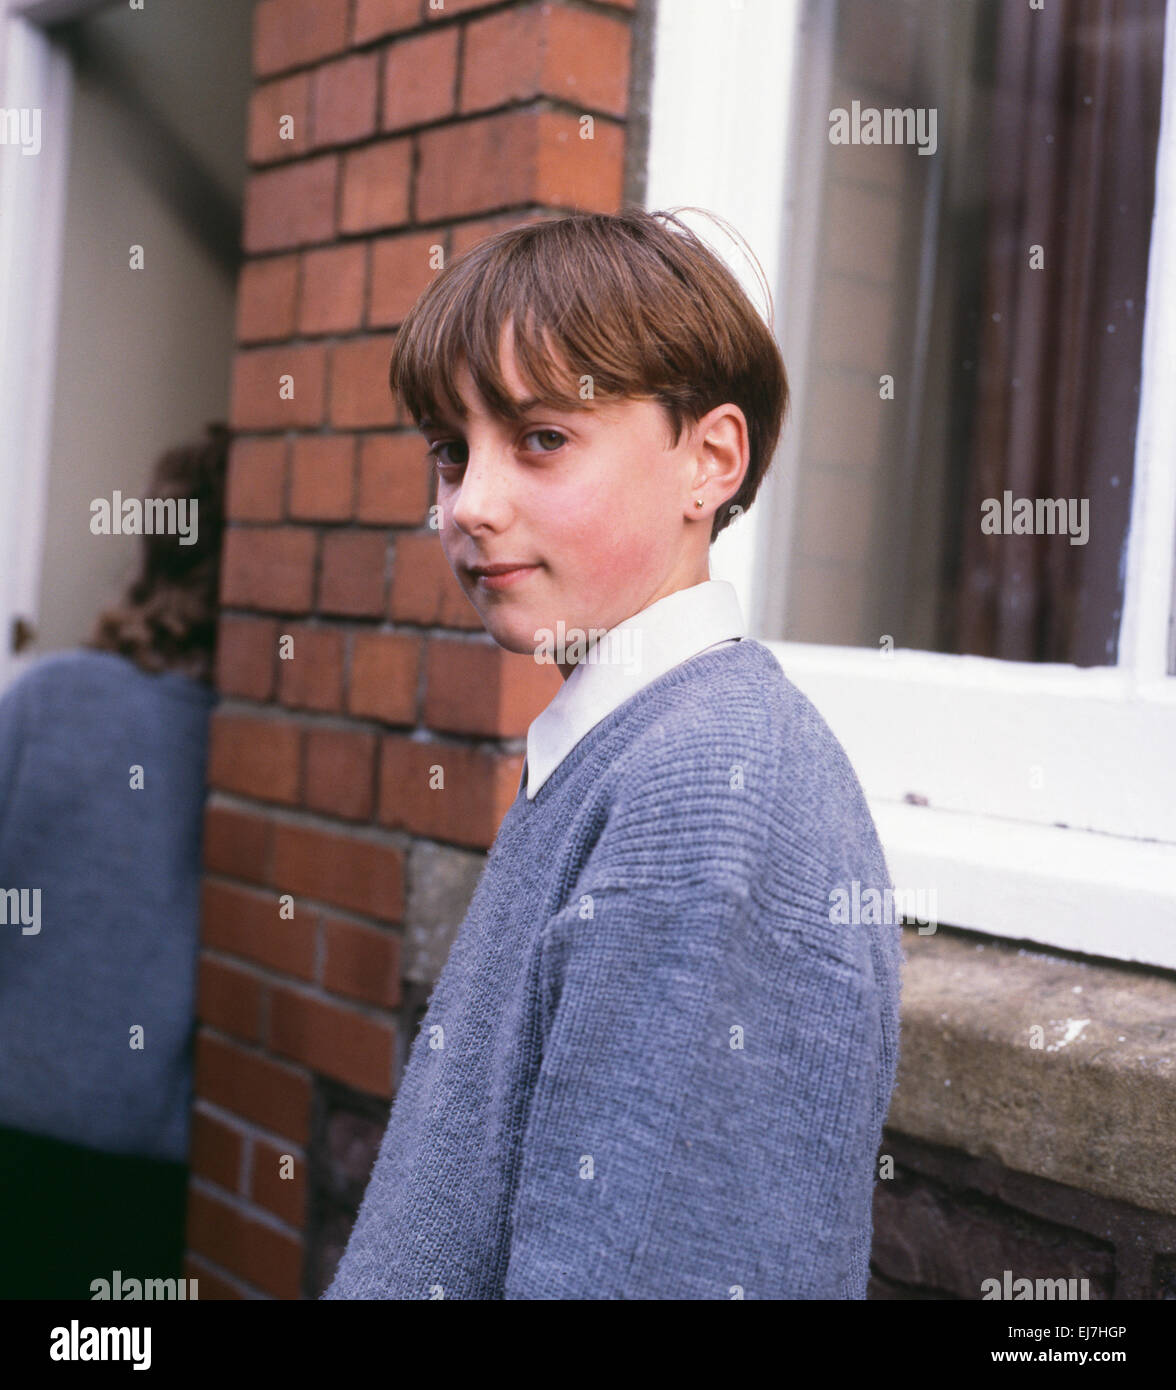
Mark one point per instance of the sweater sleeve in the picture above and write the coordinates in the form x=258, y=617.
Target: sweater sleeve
x=700, y=1126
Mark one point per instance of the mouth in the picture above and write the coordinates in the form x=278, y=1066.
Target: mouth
x=504, y=575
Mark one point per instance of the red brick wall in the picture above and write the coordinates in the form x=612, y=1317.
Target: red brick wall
x=412, y=127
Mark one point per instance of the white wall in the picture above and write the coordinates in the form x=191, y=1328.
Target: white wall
x=143, y=357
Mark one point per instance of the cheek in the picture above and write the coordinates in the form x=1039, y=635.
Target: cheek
x=617, y=558
x=597, y=538
x=605, y=515
x=572, y=524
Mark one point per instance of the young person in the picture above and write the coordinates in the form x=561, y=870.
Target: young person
x=653, y=1066
x=94, y=1117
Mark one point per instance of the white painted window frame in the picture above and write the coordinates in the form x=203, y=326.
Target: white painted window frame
x=34, y=74
x=1038, y=801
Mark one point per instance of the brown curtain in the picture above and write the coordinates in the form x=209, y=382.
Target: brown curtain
x=1070, y=168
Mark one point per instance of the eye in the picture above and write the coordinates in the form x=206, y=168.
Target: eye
x=434, y=453
x=437, y=454
x=561, y=439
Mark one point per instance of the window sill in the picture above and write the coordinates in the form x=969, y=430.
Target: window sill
x=1090, y=1107
x=1059, y=887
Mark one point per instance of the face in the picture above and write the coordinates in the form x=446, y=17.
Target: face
x=592, y=509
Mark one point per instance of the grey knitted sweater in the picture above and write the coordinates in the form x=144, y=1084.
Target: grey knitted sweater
x=653, y=1067
x=111, y=876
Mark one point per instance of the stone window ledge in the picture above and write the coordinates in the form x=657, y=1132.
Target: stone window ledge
x=1087, y=1100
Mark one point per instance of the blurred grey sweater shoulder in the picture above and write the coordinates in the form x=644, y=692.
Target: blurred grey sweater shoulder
x=653, y=1065
x=118, y=876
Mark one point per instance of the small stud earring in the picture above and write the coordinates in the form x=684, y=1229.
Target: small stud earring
x=698, y=501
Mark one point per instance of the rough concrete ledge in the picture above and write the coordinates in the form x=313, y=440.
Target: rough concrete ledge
x=1055, y=1066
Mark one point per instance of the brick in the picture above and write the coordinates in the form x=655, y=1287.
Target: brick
x=258, y=382
x=312, y=678
x=345, y=95
x=333, y=284
x=351, y=581
x=362, y=962
x=376, y=18
x=477, y=791
x=577, y=56
x=289, y=33
x=456, y=7
x=930, y=1238
x=395, y=480
x=512, y=690
x=279, y=120
x=229, y=999
x=237, y=843
x=266, y=1258
x=384, y=672
x=334, y=1041
x=254, y=757
x=341, y=773
x=257, y=479
x=424, y=588
x=360, y=395
x=362, y=875
x=257, y=1088
x=215, y=1151
x=247, y=924
x=468, y=234
x=245, y=654
x=322, y=477
x=285, y=1197
x=572, y=172
x=292, y=205
x=375, y=187
x=518, y=157
x=268, y=567
x=420, y=79
x=476, y=165
x=266, y=295
x=402, y=270
x=210, y=1285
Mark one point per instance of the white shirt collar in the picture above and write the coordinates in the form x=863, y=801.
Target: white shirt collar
x=625, y=660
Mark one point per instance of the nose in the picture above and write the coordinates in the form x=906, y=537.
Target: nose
x=483, y=495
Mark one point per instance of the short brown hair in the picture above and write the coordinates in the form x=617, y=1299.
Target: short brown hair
x=167, y=619
x=645, y=311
